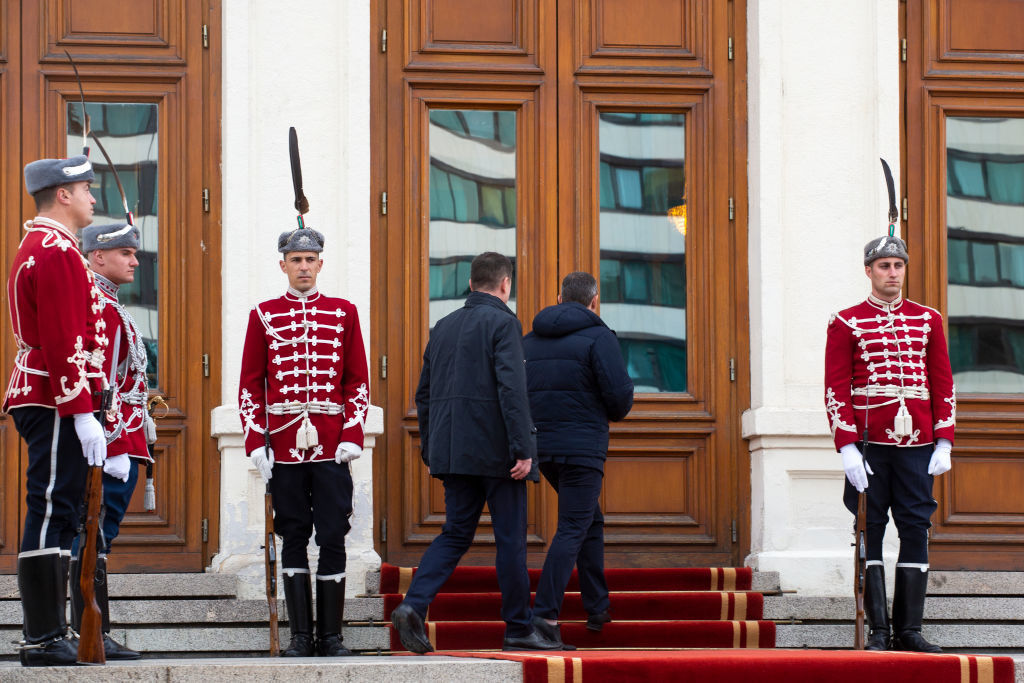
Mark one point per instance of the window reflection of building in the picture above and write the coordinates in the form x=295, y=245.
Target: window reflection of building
x=985, y=253
x=643, y=267
x=129, y=134
x=472, y=199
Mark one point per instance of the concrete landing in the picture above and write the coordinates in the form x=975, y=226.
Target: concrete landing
x=299, y=670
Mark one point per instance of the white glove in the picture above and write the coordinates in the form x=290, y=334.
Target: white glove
x=92, y=438
x=857, y=468
x=149, y=426
x=941, y=462
x=263, y=459
x=347, y=452
x=118, y=466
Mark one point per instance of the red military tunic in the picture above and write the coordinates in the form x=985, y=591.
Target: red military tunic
x=55, y=312
x=125, y=422
x=880, y=358
x=308, y=353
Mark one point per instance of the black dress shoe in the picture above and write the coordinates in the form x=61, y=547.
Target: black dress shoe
x=534, y=641
x=877, y=640
x=913, y=641
x=114, y=650
x=409, y=625
x=551, y=632
x=301, y=645
x=596, y=622
x=58, y=652
x=331, y=646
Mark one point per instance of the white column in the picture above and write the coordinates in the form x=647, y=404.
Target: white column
x=823, y=107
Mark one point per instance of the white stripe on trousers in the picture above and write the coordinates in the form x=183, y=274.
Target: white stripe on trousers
x=53, y=479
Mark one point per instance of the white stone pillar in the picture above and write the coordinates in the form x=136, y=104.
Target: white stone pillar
x=823, y=93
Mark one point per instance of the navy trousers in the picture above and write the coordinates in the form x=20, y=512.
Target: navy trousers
x=900, y=483
x=578, y=541
x=313, y=495
x=55, y=479
x=117, y=495
x=464, y=498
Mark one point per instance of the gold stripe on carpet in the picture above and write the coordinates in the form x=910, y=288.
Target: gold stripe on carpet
x=556, y=669
x=432, y=634
x=729, y=583
x=725, y=607
x=753, y=634
x=965, y=669
x=577, y=670
x=736, y=626
x=740, y=608
x=404, y=579
x=986, y=669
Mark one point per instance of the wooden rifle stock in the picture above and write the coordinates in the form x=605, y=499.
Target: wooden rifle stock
x=860, y=558
x=90, y=645
x=270, y=560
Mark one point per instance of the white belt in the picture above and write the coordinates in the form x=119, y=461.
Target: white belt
x=892, y=391
x=298, y=407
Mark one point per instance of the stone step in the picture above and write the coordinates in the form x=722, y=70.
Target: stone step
x=937, y=608
x=975, y=583
x=169, y=586
x=224, y=670
x=992, y=638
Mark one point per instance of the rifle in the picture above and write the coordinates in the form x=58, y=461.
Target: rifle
x=90, y=644
x=860, y=556
x=270, y=557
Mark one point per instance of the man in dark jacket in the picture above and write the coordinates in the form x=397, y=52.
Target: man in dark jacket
x=577, y=382
x=477, y=437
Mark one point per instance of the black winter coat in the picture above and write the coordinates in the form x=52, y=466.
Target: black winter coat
x=577, y=382
x=471, y=401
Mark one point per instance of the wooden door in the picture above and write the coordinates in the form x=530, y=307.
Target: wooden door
x=965, y=186
x=149, y=86
x=498, y=125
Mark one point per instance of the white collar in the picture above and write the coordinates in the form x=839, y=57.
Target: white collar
x=887, y=306
x=55, y=225
x=108, y=287
x=309, y=294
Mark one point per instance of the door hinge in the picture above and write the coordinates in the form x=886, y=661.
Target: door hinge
x=206, y=199
x=383, y=203
x=730, y=48
x=905, y=211
x=206, y=365
x=206, y=529
x=383, y=40
x=384, y=530
x=383, y=367
x=732, y=369
x=903, y=50
x=735, y=535
x=206, y=36
x=732, y=209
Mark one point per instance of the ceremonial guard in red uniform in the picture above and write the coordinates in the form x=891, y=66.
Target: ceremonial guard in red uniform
x=304, y=374
x=62, y=340
x=891, y=406
x=129, y=429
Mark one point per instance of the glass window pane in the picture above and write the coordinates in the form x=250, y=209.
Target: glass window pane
x=476, y=198
x=643, y=273
x=985, y=250
x=448, y=119
x=128, y=131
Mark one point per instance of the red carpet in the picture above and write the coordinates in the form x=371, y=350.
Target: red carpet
x=762, y=666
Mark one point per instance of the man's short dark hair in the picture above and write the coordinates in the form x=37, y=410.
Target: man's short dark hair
x=46, y=197
x=488, y=270
x=580, y=287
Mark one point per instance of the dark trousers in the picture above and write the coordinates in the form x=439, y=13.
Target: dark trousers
x=578, y=541
x=900, y=483
x=464, y=498
x=312, y=495
x=55, y=478
x=117, y=495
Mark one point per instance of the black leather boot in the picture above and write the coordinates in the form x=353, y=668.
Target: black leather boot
x=42, y=584
x=298, y=598
x=908, y=610
x=876, y=609
x=330, y=608
x=113, y=649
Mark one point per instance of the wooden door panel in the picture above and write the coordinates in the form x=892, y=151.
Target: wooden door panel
x=142, y=31
x=466, y=35
x=965, y=114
